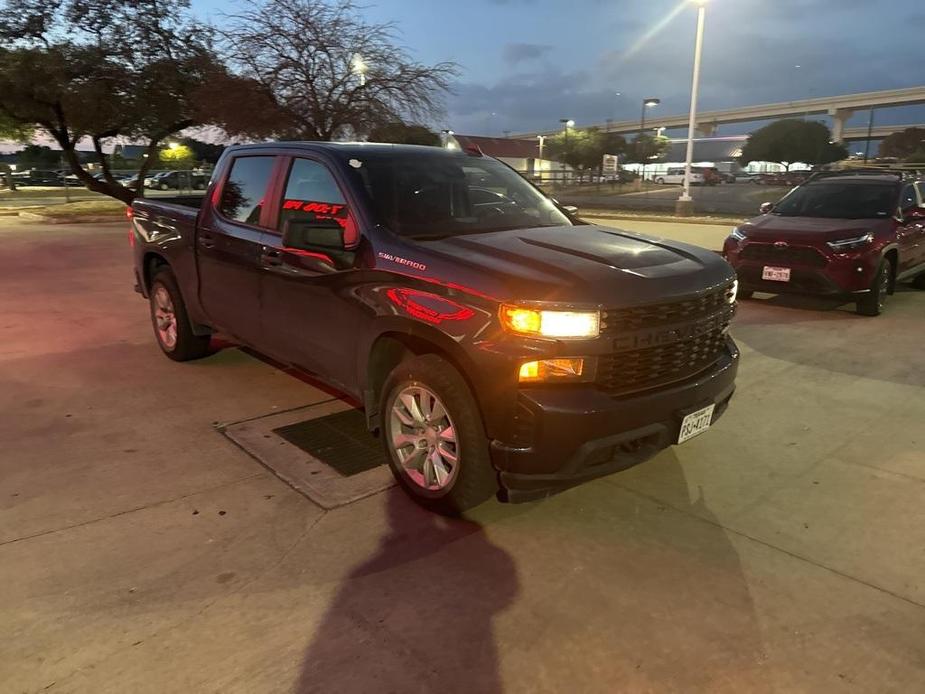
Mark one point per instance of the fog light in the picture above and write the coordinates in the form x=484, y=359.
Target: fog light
x=551, y=369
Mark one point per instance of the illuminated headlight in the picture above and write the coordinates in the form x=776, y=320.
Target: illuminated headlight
x=737, y=234
x=551, y=323
x=732, y=292
x=551, y=370
x=850, y=244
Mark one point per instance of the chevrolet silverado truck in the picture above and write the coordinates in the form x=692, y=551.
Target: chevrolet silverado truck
x=498, y=344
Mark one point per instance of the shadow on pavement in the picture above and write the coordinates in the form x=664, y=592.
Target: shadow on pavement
x=417, y=616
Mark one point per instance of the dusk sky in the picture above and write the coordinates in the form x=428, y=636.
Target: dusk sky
x=532, y=62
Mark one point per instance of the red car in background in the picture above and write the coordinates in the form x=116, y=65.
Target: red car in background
x=850, y=234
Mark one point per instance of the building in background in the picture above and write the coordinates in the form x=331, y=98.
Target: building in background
x=522, y=155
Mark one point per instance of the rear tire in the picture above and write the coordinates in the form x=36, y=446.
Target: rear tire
x=172, y=328
x=442, y=462
x=919, y=282
x=871, y=304
x=660, y=181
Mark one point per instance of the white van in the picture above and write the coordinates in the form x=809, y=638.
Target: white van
x=675, y=176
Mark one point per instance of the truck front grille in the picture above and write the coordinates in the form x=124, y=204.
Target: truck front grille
x=619, y=321
x=772, y=254
x=634, y=370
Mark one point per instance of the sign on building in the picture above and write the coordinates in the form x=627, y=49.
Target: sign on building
x=611, y=163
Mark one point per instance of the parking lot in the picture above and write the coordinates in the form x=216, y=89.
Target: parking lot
x=142, y=550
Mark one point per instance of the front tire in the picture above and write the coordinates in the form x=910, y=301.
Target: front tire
x=172, y=328
x=871, y=304
x=433, y=436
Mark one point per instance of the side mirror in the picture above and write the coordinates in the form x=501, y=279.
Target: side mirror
x=305, y=235
x=571, y=209
x=917, y=213
x=766, y=207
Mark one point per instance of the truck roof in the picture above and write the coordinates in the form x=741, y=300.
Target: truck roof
x=350, y=148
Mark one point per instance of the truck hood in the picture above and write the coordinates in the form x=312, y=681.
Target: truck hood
x=584, y=264
x=771, y=227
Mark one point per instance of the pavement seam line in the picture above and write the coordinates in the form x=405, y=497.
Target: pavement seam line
x=224, y=425
x=153, y=504
x=759, y=541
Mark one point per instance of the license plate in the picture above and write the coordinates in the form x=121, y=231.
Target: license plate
x=695, y=423
x=776, y=274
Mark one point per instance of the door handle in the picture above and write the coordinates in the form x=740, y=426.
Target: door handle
x=206, y=240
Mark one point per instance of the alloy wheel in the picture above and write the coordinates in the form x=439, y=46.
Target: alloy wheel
x=165, y=318
x=424, y=439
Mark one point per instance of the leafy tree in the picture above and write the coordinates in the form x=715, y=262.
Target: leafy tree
x=13, y=130
x=644, y=148
x=583, y=149
x=908, y=145
x=332, y=73
x=403, y=134
x=791, y=140
x=105, y=69
x=177, y=156
x=203, y=151
x=38, y=157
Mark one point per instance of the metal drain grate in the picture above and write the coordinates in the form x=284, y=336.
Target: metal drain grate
x=339, y=440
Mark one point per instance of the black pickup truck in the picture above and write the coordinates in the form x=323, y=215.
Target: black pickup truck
x=498, y=343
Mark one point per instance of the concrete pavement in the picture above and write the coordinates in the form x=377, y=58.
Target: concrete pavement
x=142, y=551
x=709, y=236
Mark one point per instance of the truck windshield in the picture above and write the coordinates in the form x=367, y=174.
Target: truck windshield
x=430, y=195
x=840, y=201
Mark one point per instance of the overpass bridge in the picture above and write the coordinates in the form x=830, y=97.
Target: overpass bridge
x=840, y=108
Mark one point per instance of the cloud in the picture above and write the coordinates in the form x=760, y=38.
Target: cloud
x=515, y=53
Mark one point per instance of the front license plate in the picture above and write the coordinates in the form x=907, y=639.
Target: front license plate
x=776, y=274
x=696, y=423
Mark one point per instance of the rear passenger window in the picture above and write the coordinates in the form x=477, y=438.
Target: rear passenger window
x=909, y=198
x=311, y=194
x=245, y=188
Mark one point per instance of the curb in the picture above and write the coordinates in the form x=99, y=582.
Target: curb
x=82, y=219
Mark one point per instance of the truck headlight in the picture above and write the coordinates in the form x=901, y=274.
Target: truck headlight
x=850, y=244
x=551, y=323
x=732, y=292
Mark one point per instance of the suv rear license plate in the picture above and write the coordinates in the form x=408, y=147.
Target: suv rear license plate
x=696, y=423
x=776, y=274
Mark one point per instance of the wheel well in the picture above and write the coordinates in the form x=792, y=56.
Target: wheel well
x=386, y=353
x=152, y=261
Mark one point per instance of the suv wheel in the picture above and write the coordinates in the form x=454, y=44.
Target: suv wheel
x=433, y=436
x=172, y=328
x=660, y=181
x=871, y=304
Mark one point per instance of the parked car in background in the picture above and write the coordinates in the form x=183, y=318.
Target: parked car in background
x=176, y=180
x=38, y=177
x=851, y=234
x=498, y=343
x=675, y=176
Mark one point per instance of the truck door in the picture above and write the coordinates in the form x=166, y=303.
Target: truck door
x=228, y=244
x=308, y=318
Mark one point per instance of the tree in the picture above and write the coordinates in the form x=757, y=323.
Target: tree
x=38, y=157
x=908, y=145
x=644, y=148
x=112, y=69
x=177, y=156
x=791, y=140
x=584, y=149
x=402, y=134
x=332, y=73
x=203, y=152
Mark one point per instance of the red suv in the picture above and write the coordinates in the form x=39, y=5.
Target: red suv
x=850, y=234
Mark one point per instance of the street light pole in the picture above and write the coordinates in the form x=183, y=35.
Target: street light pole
x=684, y=205
x=646, y=103
x=539, y=161
x=870, y=130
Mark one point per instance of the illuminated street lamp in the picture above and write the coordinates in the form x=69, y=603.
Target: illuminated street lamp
x=646, y=103
x=684, y=205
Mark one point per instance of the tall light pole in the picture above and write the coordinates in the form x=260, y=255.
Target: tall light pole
x=646, y=103
x=539, y=161
x=685, y=205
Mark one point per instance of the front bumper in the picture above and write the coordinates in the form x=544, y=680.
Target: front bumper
x=579, y=434
x=839, y=275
